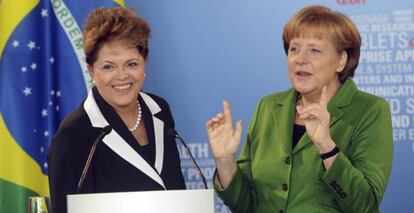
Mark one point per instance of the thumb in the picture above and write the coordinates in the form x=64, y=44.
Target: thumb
x=238, y=131
x=300, y=109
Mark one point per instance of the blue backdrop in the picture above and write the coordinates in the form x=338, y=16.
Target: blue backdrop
x=204, y=51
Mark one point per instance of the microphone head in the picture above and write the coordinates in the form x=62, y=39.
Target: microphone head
x=173, y=133
x=107, y=129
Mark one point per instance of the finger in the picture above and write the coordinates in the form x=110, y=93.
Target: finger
x=219, y=118
x=309, y=113
x=215, y=120
x=314, y=108
x=208, y=124
x=238, y=131
x=311, y=107
x=304, y=116
x=299, y=109
x=209, y=127
x=316, y=114
x=227, y=113
x=324, y=98
x=215, y=126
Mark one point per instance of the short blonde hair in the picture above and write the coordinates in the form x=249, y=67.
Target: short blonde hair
x=323, y=23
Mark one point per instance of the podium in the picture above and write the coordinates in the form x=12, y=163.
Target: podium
x=201, y=201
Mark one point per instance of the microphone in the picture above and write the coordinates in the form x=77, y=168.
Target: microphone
x=174, y=133
x=106, y=130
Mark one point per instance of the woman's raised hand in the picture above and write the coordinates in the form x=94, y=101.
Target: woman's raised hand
x=224, y=141
x=224, y=138
x=316, y=118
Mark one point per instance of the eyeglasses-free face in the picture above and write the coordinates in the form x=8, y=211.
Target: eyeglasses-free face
x=118, y=73
x=314, y=63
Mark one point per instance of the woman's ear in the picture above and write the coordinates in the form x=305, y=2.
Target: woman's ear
x=91, y=72
x=342, y=61
x=90, y=68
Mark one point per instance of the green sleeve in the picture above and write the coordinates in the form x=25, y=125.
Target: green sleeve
x=240, y=195
x=358, y=178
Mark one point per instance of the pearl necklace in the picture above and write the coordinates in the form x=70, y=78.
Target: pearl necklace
x=132, y=129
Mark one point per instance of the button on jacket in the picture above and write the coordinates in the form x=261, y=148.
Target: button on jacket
x=268, y=181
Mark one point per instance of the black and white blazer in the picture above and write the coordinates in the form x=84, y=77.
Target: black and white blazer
x=119, y=163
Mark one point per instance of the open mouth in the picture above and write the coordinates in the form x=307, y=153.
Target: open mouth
x=122, y=86
x=302, y=74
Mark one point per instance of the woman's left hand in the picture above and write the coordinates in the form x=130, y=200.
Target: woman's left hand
x=316, y=118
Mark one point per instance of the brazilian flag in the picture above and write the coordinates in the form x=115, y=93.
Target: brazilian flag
x=43, y=77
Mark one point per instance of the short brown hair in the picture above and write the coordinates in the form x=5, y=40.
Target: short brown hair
x=322, y=22
x=110, y=24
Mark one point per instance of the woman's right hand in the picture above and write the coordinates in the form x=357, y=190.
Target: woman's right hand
x=224, y=141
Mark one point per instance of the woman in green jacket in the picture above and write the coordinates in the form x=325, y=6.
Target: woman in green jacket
x=321, y=146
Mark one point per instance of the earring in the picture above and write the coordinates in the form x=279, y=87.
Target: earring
x=93, y=82
x=145, y=74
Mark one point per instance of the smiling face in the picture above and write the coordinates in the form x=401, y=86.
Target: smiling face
x=118, y=73
x=314, y=63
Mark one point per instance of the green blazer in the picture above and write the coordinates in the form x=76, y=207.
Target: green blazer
x=271, y=177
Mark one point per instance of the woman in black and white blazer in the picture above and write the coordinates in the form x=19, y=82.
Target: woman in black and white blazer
x=138, y=154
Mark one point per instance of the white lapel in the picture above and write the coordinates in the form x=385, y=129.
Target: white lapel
x=114, y=141
x=158, y=131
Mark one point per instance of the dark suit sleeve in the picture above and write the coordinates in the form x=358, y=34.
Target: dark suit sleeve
x=66, y=159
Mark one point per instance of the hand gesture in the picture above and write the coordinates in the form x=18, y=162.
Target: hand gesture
x=316, y=118
x=224, y=139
